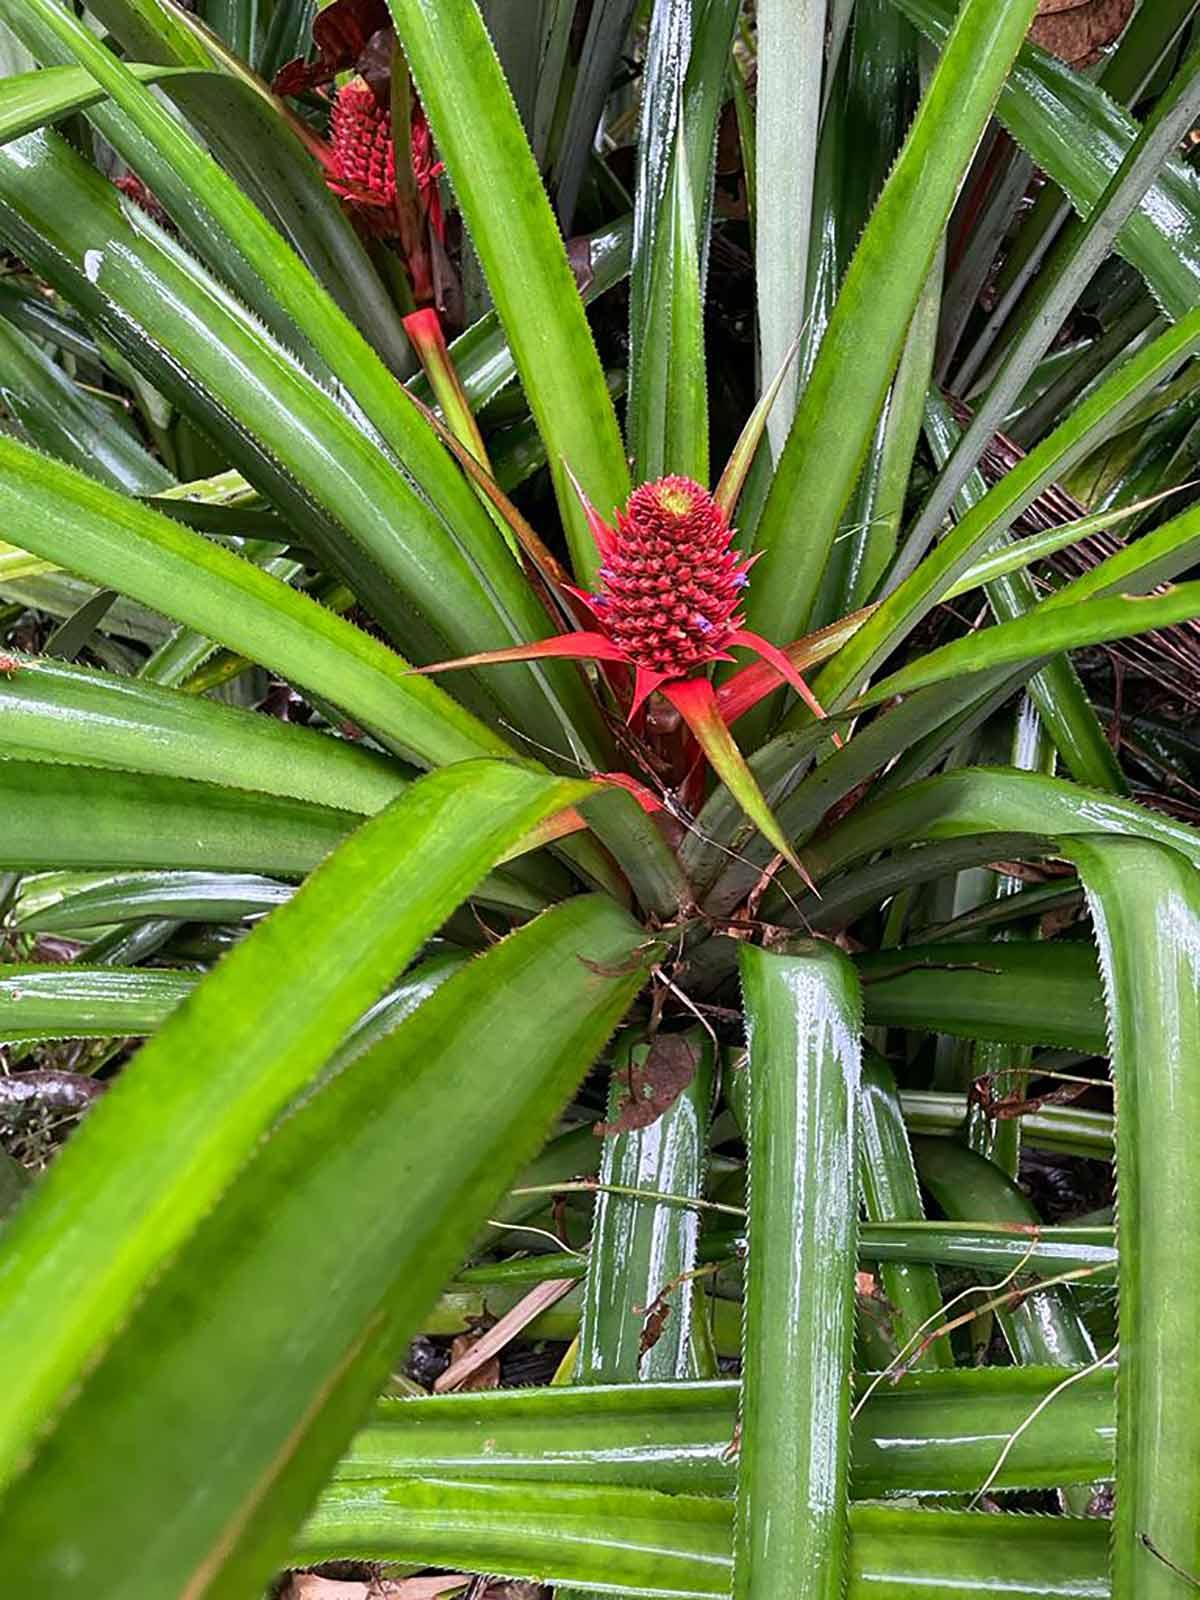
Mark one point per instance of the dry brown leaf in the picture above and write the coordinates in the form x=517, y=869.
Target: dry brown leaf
x=654, y=1084
x=486, y=1376
x=526, y=1310
x=1079, y=31
x=310, y=1586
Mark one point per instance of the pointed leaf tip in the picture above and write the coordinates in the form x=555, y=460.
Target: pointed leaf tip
x=696, y=701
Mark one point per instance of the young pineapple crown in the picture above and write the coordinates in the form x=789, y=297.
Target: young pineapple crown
x=671, y=584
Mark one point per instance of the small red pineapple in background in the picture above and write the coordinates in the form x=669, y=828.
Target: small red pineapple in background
x=362, y=161
x=360, y=156
x=362, y=164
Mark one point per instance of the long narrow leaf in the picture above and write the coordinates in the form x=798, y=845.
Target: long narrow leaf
x=862, y=344
x=77, y=1256
x=923, y=1433
x=803, y=1016
x=1145, y=903
x=119, y=543
x=679, y=1545
x=349, y=1192
x=512, y=227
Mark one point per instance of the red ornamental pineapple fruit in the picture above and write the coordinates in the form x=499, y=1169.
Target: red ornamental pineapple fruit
x=668, y=603
x=362, y=161
x=671, y=583
x=364, y=157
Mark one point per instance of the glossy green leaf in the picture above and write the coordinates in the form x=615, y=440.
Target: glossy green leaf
x=1020, y=993
x=79, y=428
x=431, y=576
x=33, y=99
x=891, y=1194
x=858, y=355
x=1044, y=1327
x=668, y=396
x=803, y=1014
x=78, y=1255
x=1040, y=634
x=353, y=1183
x=1145, y=904
x=923, y=1433
x=512, y=227
x=69, y=713
x=679, y=1545
x=1042, y=1251
x=73, y=1002
x=118, y=542
x=65, y=902
x=1094, y=419
x=63, y=815
x=640, y=1251
x=1079, y=137
x=791, y=58
x=1073, y=1130
x=984, y=800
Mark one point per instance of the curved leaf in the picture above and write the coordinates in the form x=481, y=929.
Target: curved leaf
x=890, y=1194
x=922, y=1433
x=350, y=1192
x=74, y=1002
x=1079, y=137
x=122, y=544
x=77, y=1256
x=512, y=227
x=980, y=800
x=672, y=1545
x=862, y=344
x=69, y=713
x=1019, y=993
x=1044, y=1326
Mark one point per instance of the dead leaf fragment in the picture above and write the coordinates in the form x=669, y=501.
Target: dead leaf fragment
x=486, y=1376
x=655, y=1083
x=1079, y=31
x=480, y=1351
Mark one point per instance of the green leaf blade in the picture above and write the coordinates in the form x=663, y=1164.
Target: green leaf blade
x=803, y=1019
x=77, y=1254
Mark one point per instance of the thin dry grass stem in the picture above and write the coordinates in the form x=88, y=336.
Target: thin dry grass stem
x=594, y=1186
x=544, y=1233
x=897, y=1367
x=1059, y=1388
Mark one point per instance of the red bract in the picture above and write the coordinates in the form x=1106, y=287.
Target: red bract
x=670, y=587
